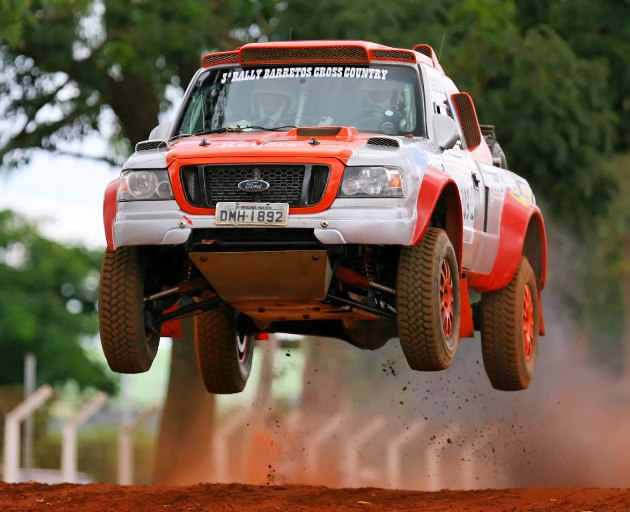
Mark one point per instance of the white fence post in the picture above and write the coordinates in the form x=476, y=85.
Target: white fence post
x=69, y=438
x=125, y=445
x=435, y=470
x=352, y=478
x=469, y=478
x=220, y=444
x=30, y=378
x=394, y=448
x=11, y=471
x=320, y=437
x=290, y=456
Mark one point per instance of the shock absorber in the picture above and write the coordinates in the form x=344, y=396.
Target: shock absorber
x=367, y=262
x=187, y=270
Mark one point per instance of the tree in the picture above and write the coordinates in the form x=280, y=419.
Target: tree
x=73, y=68
x=552, y=76
x=552, y=109
x=184, y=447
x=70, y=68
x=47, y=297
x=598, y=31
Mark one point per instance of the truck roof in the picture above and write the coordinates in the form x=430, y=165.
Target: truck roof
x=321, y=51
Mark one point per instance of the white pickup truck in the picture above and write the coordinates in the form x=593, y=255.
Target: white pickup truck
x=335, y=188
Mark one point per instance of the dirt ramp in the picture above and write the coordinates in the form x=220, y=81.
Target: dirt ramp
x=243, y=498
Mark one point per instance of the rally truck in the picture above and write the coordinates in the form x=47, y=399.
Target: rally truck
x=332, y=188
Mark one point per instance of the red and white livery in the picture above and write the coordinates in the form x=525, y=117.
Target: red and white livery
x=334, y=188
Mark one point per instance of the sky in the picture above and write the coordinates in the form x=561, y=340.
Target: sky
x=63, y=194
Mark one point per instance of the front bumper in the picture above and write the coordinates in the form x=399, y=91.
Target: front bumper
x=348, y=221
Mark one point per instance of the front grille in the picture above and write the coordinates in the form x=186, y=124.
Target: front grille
x=297, y=185
x=285, y=184
x=310, y=54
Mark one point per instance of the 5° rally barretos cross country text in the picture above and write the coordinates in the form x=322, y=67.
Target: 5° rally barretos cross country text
x=304, y=72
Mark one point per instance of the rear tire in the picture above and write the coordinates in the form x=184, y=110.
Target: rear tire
x=128, y=345
x=224, y=357
x=509, y=331
x=428, y=303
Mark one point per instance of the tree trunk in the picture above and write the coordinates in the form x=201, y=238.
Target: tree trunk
x=325, y=376
x=184, y=443
x=625, y=291
x=265, y=383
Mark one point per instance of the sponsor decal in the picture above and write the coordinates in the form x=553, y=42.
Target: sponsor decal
x=304, y=72
x=519, y=198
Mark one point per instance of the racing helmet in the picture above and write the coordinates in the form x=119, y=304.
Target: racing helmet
x=271, y=99
x=379, y=93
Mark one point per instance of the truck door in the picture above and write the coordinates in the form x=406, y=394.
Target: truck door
x=463, y=169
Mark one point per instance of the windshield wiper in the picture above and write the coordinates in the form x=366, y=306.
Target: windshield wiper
x=230, y=129
x=240, y=128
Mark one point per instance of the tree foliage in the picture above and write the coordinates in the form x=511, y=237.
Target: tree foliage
x=552, y=107
x=71, y=68
x=48, y=297
x=540, y=72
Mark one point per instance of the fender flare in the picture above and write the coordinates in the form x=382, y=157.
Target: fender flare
x=437, y=186
x=440, y=192
x=110, y=208
x=521, y=232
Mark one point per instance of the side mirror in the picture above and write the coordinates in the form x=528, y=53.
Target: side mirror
x=161, y=131
x=467, y=117
x=445, y=131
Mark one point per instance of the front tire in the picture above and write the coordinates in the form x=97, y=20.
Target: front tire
x=509, y=331
x=128, y=344
x=428, y=303
x=224, y=356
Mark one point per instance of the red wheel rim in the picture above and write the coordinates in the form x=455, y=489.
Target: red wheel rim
x=447, y=299
x=528, y=323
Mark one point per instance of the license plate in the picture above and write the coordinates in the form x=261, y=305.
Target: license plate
x=252, y=214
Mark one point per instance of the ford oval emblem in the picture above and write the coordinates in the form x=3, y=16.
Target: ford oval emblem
x=253, y=185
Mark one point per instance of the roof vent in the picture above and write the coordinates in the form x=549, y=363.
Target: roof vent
x=383, y=141
x=283, y=54
x=212, y=59
x=393, y=55
x=150, y=145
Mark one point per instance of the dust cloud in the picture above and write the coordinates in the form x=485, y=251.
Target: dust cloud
x=392, y=427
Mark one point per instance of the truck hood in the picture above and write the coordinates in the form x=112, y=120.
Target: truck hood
x=302, y=143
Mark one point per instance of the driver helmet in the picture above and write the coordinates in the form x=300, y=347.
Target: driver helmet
x=271, y=101
x=270, y=105
x=380, y=94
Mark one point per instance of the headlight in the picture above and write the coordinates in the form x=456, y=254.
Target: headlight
x=144, y=185
x=372, y=182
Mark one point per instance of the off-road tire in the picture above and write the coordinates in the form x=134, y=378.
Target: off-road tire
x=224, y=368
x=127, y=346
x=425, y=342
x=505, y=334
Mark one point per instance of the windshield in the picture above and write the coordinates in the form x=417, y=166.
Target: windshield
x=376, y=99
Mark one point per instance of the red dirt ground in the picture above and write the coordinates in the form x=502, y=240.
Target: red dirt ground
x=237, y=497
